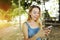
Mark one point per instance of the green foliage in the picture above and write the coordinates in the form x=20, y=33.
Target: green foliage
x=18, y=11
x=27, y=3
x=16, y=2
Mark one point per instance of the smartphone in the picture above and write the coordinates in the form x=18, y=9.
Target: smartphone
x=48, y=27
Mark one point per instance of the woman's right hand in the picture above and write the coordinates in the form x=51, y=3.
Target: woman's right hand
x=47, y=31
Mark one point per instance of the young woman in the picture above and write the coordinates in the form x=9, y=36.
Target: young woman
x=32, y=28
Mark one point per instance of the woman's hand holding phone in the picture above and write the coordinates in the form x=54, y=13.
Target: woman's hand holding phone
x=47, y=30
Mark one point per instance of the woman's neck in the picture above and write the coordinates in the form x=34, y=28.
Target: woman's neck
x=32, y=21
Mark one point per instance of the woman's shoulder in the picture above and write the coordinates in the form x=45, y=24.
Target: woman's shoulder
x=24, y=24
x=24, y=27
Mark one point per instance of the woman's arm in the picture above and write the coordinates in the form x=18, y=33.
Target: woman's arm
x=25, y=31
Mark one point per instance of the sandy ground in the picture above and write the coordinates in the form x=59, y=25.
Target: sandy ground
x=55, y=33
x=13, y=33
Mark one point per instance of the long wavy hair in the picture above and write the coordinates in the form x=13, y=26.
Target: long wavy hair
x=29, y=16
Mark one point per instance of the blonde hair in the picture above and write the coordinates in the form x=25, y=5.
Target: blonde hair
x=29, y=17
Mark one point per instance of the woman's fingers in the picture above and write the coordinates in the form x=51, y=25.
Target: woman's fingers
x=47, y=32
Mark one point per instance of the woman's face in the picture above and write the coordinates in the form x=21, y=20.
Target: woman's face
x=35, y=14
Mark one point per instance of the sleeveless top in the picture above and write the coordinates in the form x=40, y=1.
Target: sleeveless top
x=32, y=31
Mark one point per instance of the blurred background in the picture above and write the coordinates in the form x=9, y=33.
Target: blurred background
x=13, y=13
